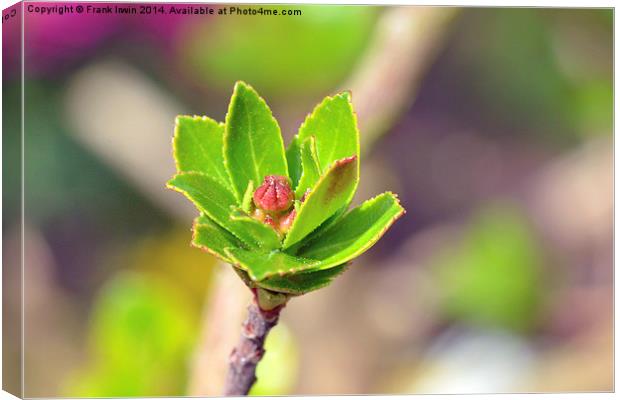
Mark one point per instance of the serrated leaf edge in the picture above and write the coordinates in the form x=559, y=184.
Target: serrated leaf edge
x=323, y=176
x=195, y=226
x=174, y=145
x=347, y=94
x=264, y=283
x=281, y=273
x=315, y=160
x=191, y=198
x=362, y=249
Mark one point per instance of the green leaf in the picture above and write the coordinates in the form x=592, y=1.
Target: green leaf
x=304, y=282
x=213, y=199
x=253, y=146
x=331, y=192
x=318, y=231
x=137, y=323
x=264, y=265
x=197, y=145
x=334, y=125
x=310, y=167
x=293, y=159
x=356, y=232
x=211, y=237
x=208, y=194
x=246, y=203
x=266, y=237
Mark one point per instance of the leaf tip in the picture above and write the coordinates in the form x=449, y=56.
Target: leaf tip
x=179, y=118
x=242, y=85
x=170, y=183
x=344, y=161
x=347, y=94
x=397, y=199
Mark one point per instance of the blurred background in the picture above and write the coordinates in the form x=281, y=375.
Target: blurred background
x=494, y=125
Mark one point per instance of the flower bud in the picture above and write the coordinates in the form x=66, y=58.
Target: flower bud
x=274, y=195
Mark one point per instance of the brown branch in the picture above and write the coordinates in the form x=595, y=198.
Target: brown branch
x=405, y=43
x=250, y=349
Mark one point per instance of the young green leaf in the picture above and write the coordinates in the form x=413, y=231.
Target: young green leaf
x=263, y=265
x=198, y=145
x=211, y=237
x=310, y=167
x=334, y=125
x=211, y=198
x=253, y=146
x=355, y=233
x=303, y=282
x=246, y=203
x=326, y=225
x=266, y=237
x=293, y=159
x=331, y=192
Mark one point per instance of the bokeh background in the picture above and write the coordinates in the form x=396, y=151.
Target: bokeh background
x=494, y=125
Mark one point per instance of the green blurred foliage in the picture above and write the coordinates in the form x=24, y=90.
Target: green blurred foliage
x=140, y=336
x=493, y=276
x=278, y=370
x=11, y=154
x=594, y=103
x=145, y=320
x=512, y=59
x=286, y=56
x=169, y=256
x=145, y=323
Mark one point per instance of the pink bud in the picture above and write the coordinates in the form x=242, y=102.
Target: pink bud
x=274, y=195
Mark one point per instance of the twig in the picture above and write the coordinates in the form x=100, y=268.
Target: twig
x=250, y=349
x=406, y=42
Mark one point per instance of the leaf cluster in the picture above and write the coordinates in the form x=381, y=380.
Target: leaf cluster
x=219, y=166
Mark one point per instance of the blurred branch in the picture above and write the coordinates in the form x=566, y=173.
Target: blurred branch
x=224, y=309
x=579, y=180
x=406, y=42
x=117, y=113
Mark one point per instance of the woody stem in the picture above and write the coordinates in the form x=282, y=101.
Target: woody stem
x=250, y=349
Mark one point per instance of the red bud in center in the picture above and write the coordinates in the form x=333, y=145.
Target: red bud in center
x=274, y=195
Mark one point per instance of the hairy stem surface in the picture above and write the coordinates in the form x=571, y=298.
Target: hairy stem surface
x=250, y=349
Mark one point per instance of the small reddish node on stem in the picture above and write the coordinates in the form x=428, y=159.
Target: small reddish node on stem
x=287, y=221
x=270, y=221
